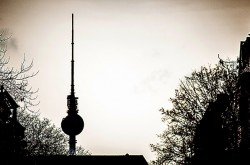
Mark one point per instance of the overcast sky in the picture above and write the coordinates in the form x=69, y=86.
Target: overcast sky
x=130, y=56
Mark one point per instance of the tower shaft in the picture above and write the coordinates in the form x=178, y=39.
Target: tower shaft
x=72, y=144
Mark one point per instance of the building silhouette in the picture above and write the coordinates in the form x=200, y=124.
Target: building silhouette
x=244, y=83
x=12, y=144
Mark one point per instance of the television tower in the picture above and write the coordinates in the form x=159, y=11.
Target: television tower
x=72, y=124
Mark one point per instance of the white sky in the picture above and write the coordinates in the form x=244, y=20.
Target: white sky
x=129, y=57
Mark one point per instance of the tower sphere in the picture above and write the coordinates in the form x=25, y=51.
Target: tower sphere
x=72, y=124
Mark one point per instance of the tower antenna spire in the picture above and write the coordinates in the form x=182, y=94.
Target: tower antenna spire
x=72, y=59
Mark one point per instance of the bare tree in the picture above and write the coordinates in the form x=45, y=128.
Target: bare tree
x=15, y=81
x=42, y=137
x=189, y=104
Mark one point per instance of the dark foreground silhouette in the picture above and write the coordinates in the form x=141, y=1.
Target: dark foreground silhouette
x=11, y=131
x=78, y=160
x=209, y=139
